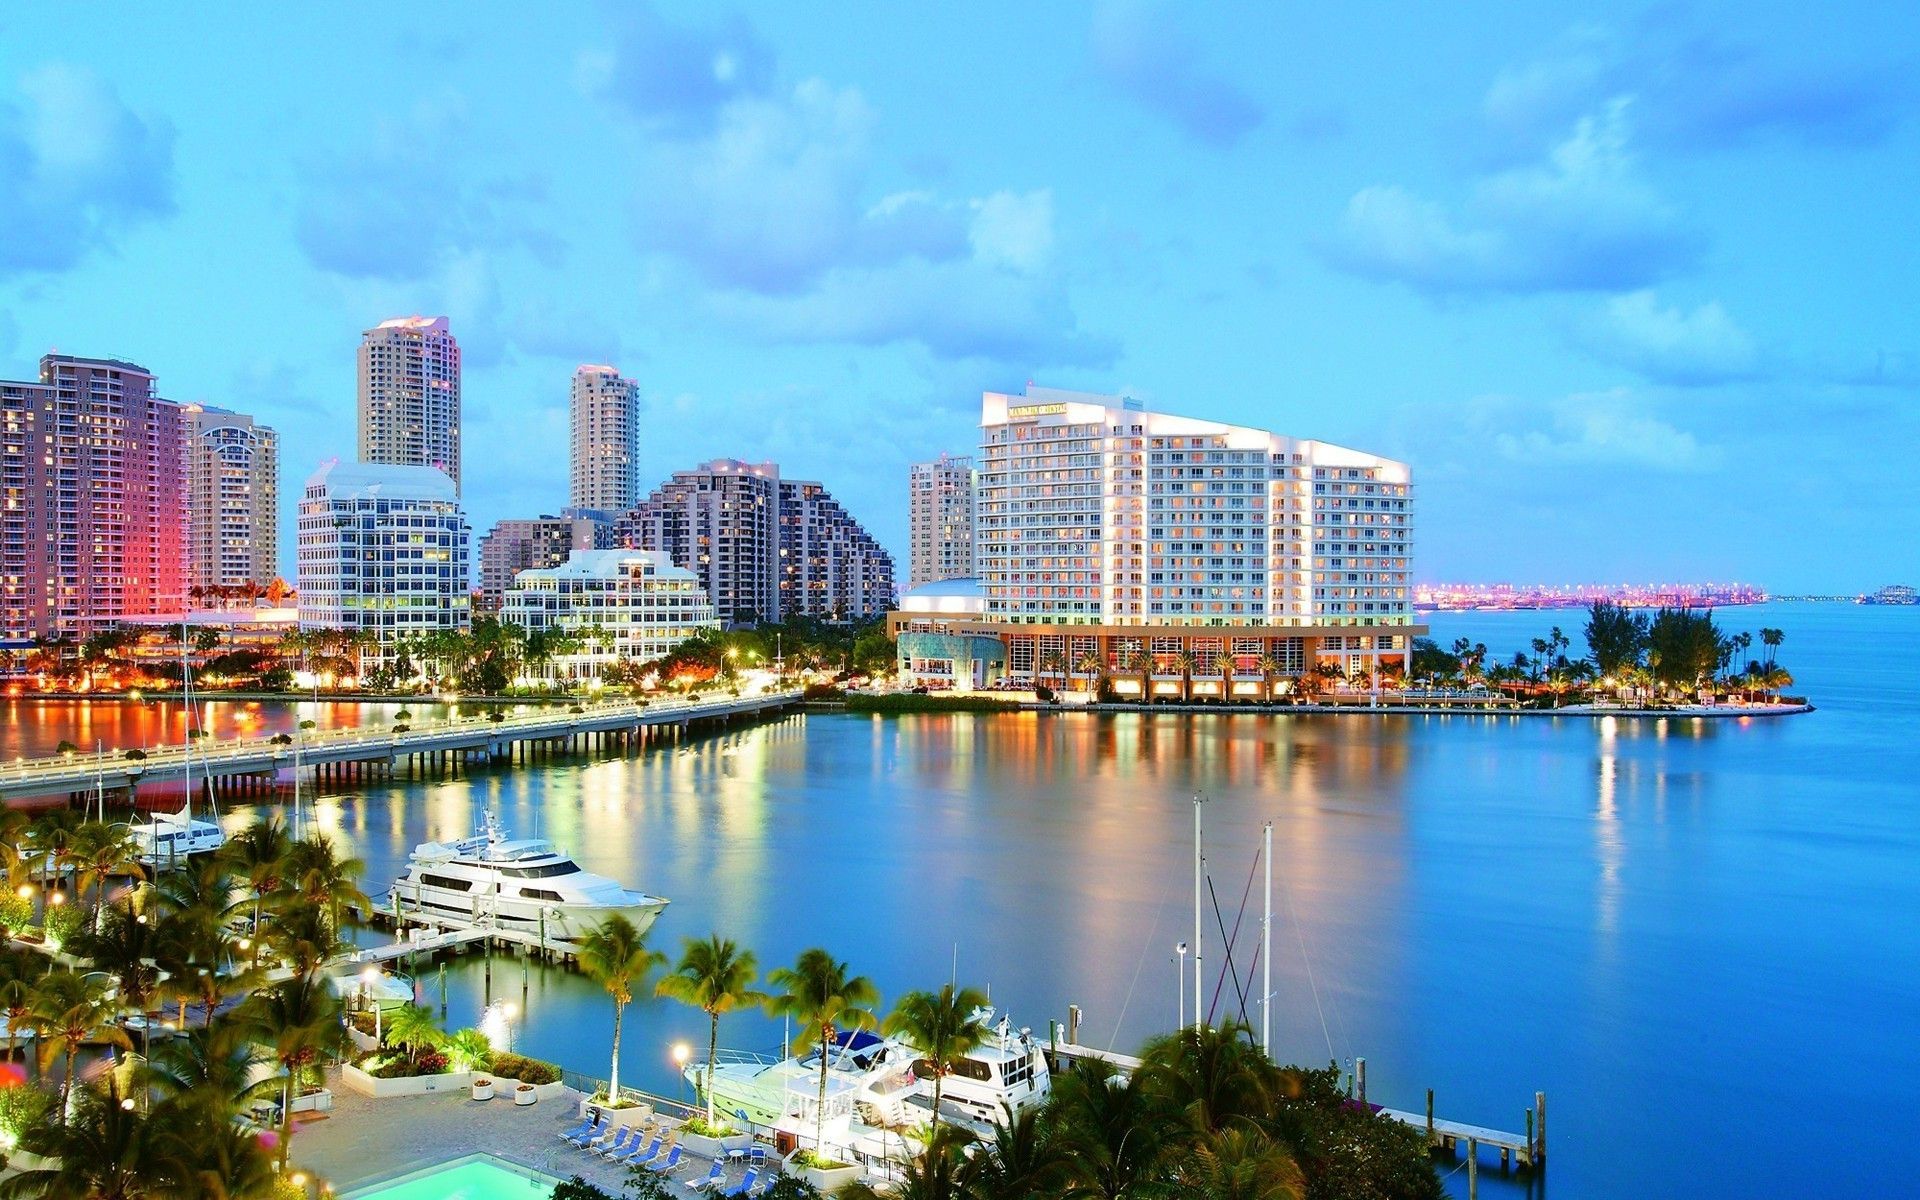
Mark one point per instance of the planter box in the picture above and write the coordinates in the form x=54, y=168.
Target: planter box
x=710, y=1147
x=315, y=1101
x=365, y=1043
x=416, y=1085
x=633, y=1114
x=525, y=1094
x=826, y=1180
x=481, y=1089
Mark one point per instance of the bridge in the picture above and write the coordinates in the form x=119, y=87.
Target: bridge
x=365, y=752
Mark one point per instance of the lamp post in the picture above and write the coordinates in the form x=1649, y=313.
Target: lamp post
x=512, y=1011
x=682, y=1054
x=368, y=978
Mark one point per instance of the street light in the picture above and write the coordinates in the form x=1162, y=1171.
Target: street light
x=682, y=1054
x=368, y=978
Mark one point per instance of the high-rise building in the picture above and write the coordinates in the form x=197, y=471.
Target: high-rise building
x=765, y=548
x=92, y=477
x=233, y=499
x=720, y=521
x=517, y=545
x=830, y=567
x=382, y=548
x=605, y=423
x=622, y=605
x=940, y=520
x=410, y=395
x=1171, y=554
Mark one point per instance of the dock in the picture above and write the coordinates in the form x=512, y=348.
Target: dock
x=398, y=751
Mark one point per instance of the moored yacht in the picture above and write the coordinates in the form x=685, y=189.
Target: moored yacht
x=524, y=885
x=167, y=838
x=1005, y=1074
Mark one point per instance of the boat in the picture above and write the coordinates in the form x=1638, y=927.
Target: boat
x=371, y=988
x=1005, y=1075
x=522, y=885
x=866, y=1073
x=1898, y=593
x=166, y=839
x=883, y=1082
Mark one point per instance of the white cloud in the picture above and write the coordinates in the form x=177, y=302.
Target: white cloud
x=77, y=168
x=1013, y=230
x=1580, y=219
x=1670, y=344
x=1613, y=428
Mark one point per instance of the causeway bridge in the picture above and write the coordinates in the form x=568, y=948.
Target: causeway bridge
x=370, y=752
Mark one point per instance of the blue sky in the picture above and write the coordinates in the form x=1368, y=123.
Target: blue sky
x=1633, y=289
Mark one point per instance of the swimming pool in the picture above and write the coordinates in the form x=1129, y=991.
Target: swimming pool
x=475, y=1177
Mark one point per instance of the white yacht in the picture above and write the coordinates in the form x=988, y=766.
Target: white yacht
x=867, y=1073
x=524, y=885
x=167, y=838
x=1006, y=1074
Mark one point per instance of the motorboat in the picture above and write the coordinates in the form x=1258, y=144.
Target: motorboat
x=166, y=839
x=523, y=885
x=1006, y=1074
x=866, y=1074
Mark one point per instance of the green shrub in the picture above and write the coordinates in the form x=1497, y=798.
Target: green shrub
x=526, y=1070
x=579, y=1189
x=791, y=1187
x=135, y=755
x=21, y=1109
x=699, y=1125
x=822, y=691
x=16, y=911
x=64, y=922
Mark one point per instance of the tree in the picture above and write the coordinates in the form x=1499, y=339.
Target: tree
x=1024, y=1157
x=107, y=1150
x=1211, y=1076
x=1616, y=638
x=98, y=852
x=320, y=876
x=1184, y=662
x=615, y=955
x=300, y=1019
x=1112, y=1132
x=258, y=855
x=214, y=1069
x=1771, y=639
x=1269, y=667
x=944, y=1026
x=819, y=992
x=715, y=976
x=70, y=1010
x=415, y=1030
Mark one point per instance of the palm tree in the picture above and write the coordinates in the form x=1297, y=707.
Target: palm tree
x=944, y=1026
x=99, y=852
x=714, y=976
x=415, y=1030
x=1112, y=1131
x=106, y=1151
x=213, y=1069
x=1771, y=639
x=1241, y=1163
x=1094, y=668
x=1025, y=1157
x=1184, y=662
x=300, y=1019
x=615, y=955
x=321, y=877
x=938, y=1172
x=223, y=1160
x=127, y=951
x=258, y=855
x=1269, y=667
x=70, y=1010
x=1211, y=1075
x=819, y=992
x=20, y=971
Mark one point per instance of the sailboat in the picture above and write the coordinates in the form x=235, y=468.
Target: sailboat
x=166, y=839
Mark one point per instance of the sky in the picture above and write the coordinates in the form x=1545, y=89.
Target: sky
x=1633, y=289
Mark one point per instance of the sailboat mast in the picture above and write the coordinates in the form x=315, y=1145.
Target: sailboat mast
x=1266, y=946
x=1199, y=872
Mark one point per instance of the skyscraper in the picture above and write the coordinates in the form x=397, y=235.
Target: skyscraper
x=940, y=520
x=233, y=498
x=1175, y=556
x=92, y=477
x=605, y=422
x=384, y=549
x=763, y=547
x=525, y=544
x=410, y=395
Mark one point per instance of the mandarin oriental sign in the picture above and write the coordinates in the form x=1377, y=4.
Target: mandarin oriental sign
x=1027, y=412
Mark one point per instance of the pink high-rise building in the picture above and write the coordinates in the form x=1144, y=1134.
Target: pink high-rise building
x=93, y=484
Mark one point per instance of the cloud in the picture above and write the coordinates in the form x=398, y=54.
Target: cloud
x=1140, y=50
x=1613, y=428
x=676, y=78
x=1698, y=90
x=413, y=194
x=773, y=198
x=1669, y=344
x=1581, y=219
x=78, y=168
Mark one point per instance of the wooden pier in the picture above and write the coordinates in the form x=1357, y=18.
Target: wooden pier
x=397, y=752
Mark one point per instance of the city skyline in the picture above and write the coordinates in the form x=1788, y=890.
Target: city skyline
x=1619, y=348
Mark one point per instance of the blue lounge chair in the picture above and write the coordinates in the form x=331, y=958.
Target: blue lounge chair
x=746, y=1183
x=640, y=1158
x=593, y=1130
x=715, y=1176
x=622, y=1143
x=585, y=1126
x=667, y=1164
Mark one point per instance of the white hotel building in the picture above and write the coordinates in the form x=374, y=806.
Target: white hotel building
x=621, y=604
x=1168, y=553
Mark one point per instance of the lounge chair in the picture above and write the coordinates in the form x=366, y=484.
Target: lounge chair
x=746, y=1183
x=666, y=1165
x=715, y=1176
x=592, y=1131
x=639, y=1158
x=585, y=1126
x=623, y=1143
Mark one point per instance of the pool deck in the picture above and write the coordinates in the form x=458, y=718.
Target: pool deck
x=363, y=1140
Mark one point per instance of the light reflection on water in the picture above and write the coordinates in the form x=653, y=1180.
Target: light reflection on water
x=1692, y=935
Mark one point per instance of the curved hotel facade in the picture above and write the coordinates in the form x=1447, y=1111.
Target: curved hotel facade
x=1172, y=554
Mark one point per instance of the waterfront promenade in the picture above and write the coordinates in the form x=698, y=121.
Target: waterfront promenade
x=478, y=737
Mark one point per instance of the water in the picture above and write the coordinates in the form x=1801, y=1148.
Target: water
x=1697, y=937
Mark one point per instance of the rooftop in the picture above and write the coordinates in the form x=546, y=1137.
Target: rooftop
x=609, y=564
x=391, y=481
